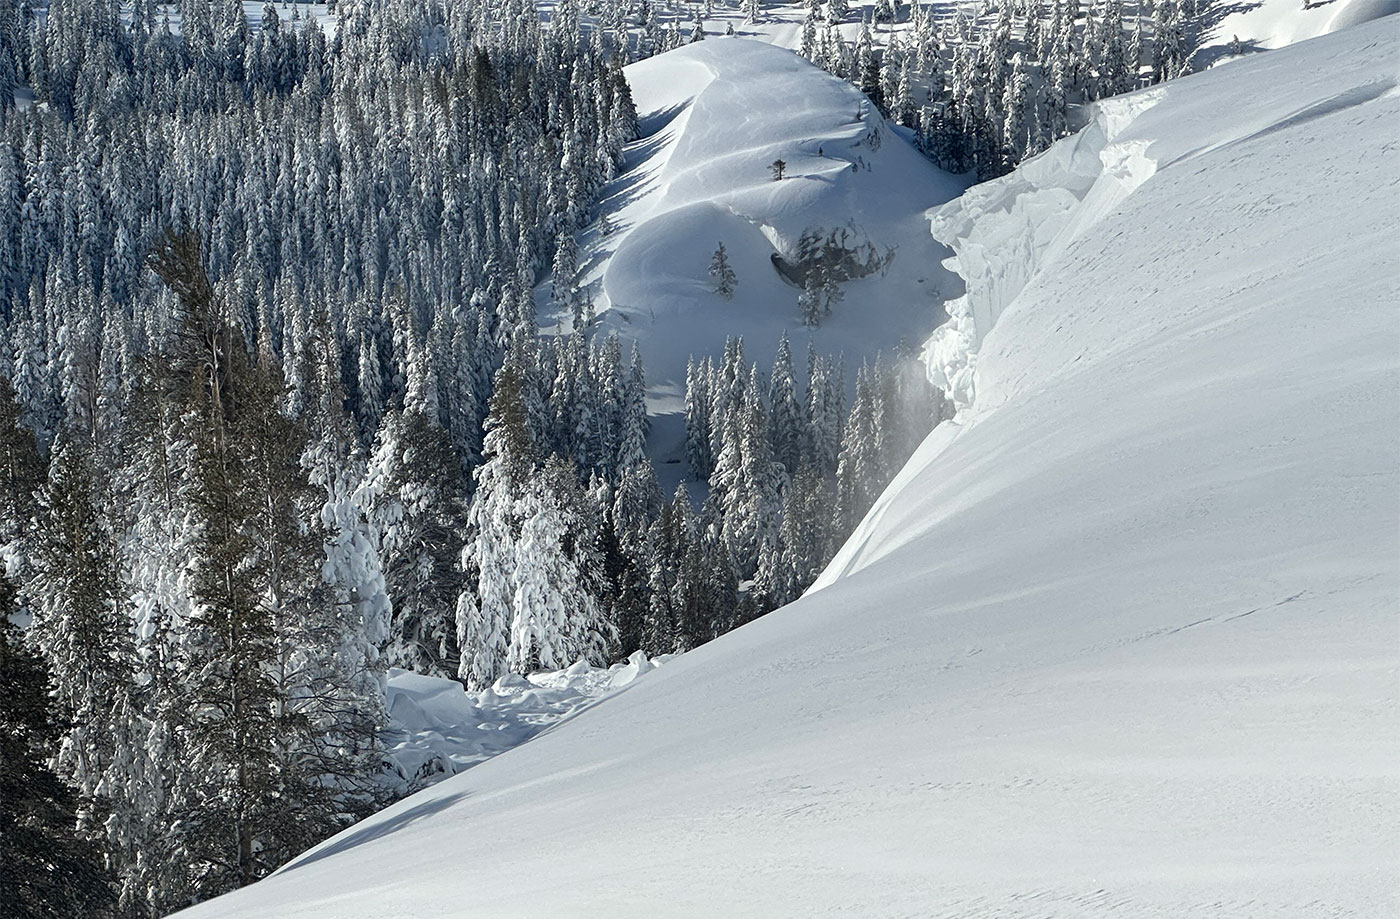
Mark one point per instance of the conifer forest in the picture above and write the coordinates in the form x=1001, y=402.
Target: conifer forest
x=277, y=413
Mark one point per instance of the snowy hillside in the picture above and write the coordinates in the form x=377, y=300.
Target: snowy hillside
x=715, y=115
x=1276, y=23
x=1119, y=642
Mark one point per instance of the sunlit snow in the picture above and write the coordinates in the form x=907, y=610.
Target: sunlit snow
x=1119, y=642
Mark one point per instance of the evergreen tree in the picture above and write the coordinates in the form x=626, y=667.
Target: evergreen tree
x=77, y=625
x=708, y=601
x=698, y=424
x=260, y=688
x=21, y=473
x=484, y=609
x=860, y=472
x=46, y=867
x=787, y=426
x=823, y=414
x=556, y=618
x=669, y=541
x=805, y=541
x=416, y=495
x=748, y=483
x=722, y=275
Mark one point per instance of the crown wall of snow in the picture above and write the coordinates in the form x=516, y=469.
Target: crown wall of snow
x=1005, y=231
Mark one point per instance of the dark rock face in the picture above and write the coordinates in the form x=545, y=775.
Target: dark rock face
x=835, y=253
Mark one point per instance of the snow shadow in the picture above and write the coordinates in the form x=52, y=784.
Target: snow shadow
x=379, y=829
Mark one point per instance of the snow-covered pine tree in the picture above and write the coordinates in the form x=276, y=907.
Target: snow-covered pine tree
x=415, y=493
x=360, y=612
x=255, y=669
x=708, y=591
x=1018, y=104
x=565, y=280
x=722, y=275
x=632, y=421
x=556, y=618
x=628, y=552
x=484, y=608
x=1168, y=41
x=860, y=472
x=809, y=301
x=73, y=596
x=788, y=427
x=669, y=539
x=748, y=483
x=21, y=474
x=824, y=411
x=805, y=541
x=698, y=424
x=726, y=392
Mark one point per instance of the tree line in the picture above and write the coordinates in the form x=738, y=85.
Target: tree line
x=982, y=92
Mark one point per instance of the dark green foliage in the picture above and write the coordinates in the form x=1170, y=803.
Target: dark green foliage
x=46, y=868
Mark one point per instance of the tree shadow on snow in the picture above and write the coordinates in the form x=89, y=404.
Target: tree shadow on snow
x=654, y=122
x=357, y=837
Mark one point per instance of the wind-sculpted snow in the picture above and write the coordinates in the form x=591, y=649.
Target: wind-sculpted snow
x=1121, y=642
x=715, y=116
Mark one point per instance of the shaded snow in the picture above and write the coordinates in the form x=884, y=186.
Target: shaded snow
x=1263, y=24
x=1121, y=642
x=437, y=729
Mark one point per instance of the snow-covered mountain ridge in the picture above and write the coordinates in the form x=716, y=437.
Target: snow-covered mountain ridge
x=1120, y=642
x=715, y=116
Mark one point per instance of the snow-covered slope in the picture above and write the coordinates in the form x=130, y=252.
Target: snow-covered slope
x=716, y=114
x=1123, y=642
x=1264, y=24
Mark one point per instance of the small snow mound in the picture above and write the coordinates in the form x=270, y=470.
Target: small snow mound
x=637, y=665
x=509, y=684
x=1358, y=11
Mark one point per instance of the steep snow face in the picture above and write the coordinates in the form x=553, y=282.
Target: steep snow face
x=1005, y=231
x=1008, y=231
x=1121, y=642
x=716, y=115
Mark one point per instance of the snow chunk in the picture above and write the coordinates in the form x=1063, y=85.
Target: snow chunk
x=437, y=729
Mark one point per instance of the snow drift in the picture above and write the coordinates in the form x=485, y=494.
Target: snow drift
x=1120, y=642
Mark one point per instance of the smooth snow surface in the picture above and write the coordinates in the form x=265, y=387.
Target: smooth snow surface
x=715, y=115
x=1121, y=642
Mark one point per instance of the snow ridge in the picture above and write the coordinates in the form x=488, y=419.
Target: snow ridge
x=715, y=116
